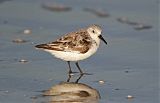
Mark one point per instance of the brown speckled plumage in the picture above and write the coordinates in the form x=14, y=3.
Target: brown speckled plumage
x=78, y=41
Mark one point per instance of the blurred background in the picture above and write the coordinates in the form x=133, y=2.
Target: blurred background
x=128, y=65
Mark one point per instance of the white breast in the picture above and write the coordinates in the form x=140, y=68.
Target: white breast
x=74, y=56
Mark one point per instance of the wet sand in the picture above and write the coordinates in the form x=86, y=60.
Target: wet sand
x=127, y=67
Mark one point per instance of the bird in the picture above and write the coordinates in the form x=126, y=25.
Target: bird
x=75, y=46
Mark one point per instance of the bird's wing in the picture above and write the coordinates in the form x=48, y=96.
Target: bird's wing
x=79, y=42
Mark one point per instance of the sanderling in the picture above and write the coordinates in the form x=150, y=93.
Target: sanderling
x=75, y=46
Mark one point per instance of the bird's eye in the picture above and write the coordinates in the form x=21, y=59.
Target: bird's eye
x=93, y=31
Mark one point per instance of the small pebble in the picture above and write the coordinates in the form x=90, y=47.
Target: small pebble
x=98, y=12
x=142, y=27
x=23, y=61
x=122, y=19
x=126, y=71
x=101, y=13
x=6, y=91
x=129, y=97
x=34, y=97
x=101, y=82
x=50, y=79
x=33, y=43
x=25, y=95
x=126, y=21
x=116, y=89
x=27, y=31
x=18, y=40
x=56, y=7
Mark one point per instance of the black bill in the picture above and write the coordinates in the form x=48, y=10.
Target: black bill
x=100, y=36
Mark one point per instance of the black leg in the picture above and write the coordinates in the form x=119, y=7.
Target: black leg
x=79, y=78
x=82, y=73
x=70, y=71
x=79, y=68
x=69, y=77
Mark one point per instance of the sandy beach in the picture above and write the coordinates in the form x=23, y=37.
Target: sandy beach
x=124, y=71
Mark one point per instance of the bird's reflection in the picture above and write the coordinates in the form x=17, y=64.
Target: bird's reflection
x=72, y=92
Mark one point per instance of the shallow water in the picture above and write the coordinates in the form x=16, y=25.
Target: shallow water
x=128, y=64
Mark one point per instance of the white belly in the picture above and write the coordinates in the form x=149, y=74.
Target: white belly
x=74, y=56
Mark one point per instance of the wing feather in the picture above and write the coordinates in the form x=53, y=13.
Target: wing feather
x=78, y=41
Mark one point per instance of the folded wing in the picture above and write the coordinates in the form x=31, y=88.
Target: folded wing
x=79, y=42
